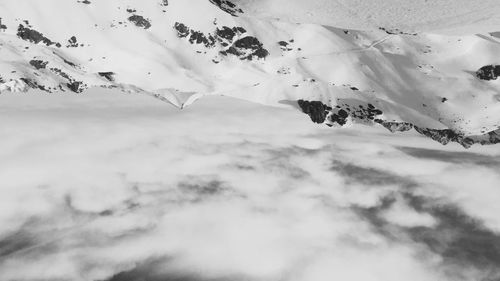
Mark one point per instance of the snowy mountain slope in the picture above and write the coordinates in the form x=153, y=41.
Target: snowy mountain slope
x=180, y=50
x=458, y=17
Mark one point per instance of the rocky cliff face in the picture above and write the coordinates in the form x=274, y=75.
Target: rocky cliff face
x=324, y=114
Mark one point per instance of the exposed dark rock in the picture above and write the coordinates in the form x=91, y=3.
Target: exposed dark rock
x=69, y=62
x=395, y=31
x=72, y=84
x=140, y=21
x=38, y=64
x=229, y=33
x=445, y=136
x=72, y=42
x=284, y=70
x=395, y=126
x=319, y=112
x=362, y=112
x=283, y=43
x=252, y=45
x=246, y=48
x=198, y=37
x=340, y=114
x=228, y=7
x=76, y=86
x=108, y=75
x=315, y=109
x=33, y=36
x=285, y=46
x=34, y=85
x=61, y=73
x=182, y=30
x=489, y=72
x=194, y=37
x=164, y=3
x=493, y=137
x=339, y=118
x=3, y=27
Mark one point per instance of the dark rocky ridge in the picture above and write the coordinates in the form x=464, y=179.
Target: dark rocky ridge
x=193, y=36
x=321, y=113
x=76, y=86
x=445, y=136
x=228, y=7
x=245, y=47
x=33, y=36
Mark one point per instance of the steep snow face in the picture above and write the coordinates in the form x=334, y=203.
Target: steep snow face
x=270, y=52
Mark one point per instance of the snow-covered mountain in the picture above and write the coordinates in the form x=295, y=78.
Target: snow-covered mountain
x=405, y=65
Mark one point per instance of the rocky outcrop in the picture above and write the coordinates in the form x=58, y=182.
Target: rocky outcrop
x=322, y=113
x=72, y=42
x=445, y=136
x=38, y=64
x=68, y=82
x=493, y=137
x=34, y=85
x=228, y=7
x=315, y=109
x=140, y=21
x=226, y=35
x=3, y=27
x=76, y=86
x=489, y=72
x=394, y=127
x=232, y=41
x=107, y=75
x=33, y=36
x=247, y=48
x=193, y=36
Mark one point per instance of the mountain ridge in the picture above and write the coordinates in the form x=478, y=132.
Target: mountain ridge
x=179, y=51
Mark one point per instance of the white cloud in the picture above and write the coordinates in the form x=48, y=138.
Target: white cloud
x=403, y=215
x=254, y=192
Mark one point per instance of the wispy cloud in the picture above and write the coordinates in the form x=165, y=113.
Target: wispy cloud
x=113, y=186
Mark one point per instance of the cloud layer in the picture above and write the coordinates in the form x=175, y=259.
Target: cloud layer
x=108, y=186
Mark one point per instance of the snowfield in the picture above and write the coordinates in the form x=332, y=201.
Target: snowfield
x=402, y=64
